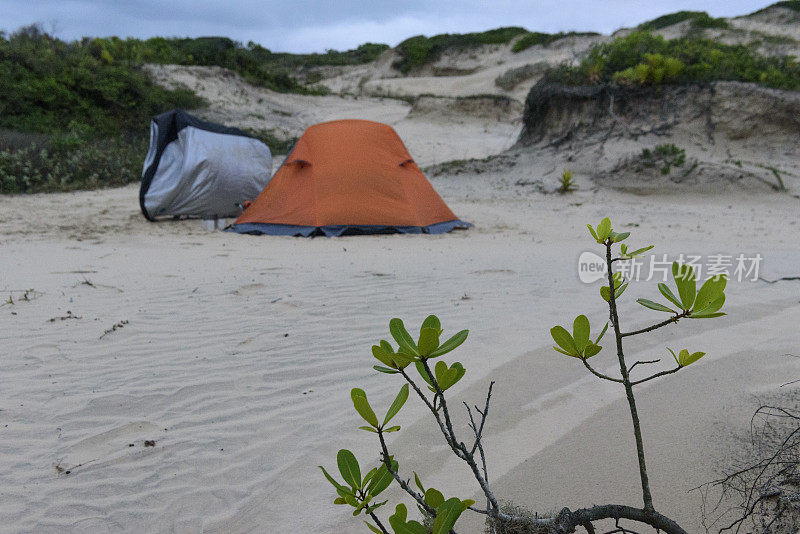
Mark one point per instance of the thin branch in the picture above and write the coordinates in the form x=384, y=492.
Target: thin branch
x=671, y=320
x=651, y=377
x=459, y=449
x=643, y=362
x=403, y=484
x=484, y=414
x=378, y=522
x=599, y=374
x=647, y=497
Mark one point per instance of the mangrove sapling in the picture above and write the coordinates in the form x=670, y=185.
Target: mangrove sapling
x=566, y=184
x=441, y=513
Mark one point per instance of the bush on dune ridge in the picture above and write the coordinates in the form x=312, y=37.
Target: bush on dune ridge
x=420, y=50
x=794, y=5
x=256, y=64
x=700, y=19
x=642, y=58
x=537, y=38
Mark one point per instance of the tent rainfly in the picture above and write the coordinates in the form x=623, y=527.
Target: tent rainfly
x=200, y=169
x=348, y=177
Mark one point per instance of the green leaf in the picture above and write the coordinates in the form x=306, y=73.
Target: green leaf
x=616, y=238
x=711, y=308
x=434, y=498
x=398, y=403
x=373, y=528
x=418, y=482
x=591, y=350
x=431, y=321
x=684, y=358
x=403, y=338
x=596, y=341
x=580, y=332
x=446, y=515
x=450, y=344
x=368, y=429
x=362, y=406
x=447, y=377
x=368, y=477
x=428, y=341
x=331, y=479
x=402, y=359
x=605, y=292
x=710, y=293
x=387, y=370
x=564, y=340
x=339, y=500
x=591, y=231
x=670, y=296
x=673, y=355
x=686, y=282
x=392, y=429
x=400, y=512
x=654, y=305
x=620, y=290
x=637, y=251
x=348, y=467
x=382, y=355
x=563, y=351
x=381, y=480
x=398, y=522
x=707, y=316
x=603, y=230
x=467, y=503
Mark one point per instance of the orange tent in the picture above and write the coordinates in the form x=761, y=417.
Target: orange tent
x=348, y=177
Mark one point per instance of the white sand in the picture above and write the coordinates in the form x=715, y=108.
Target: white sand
x=241, y=413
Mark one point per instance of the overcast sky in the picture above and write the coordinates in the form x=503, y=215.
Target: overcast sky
x=316, y=25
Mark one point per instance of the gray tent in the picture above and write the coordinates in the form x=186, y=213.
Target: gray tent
x=200, y=169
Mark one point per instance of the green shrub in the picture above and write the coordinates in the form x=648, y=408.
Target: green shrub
x=46, y=85
x=537, y=38
x=648, y=59
x=253, y=62
x=788, y=4
x=700, y=19
x=421, y=50
x=663, y=156
x=655, y=70
x=67, y=163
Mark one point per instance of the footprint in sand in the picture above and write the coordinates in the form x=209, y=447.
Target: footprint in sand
x=248, y=290
x=109, y=448
x=494, y=271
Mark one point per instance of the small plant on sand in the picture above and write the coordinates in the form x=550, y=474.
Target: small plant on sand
x=664, y=157
x=413, y=362
x=566, y=184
